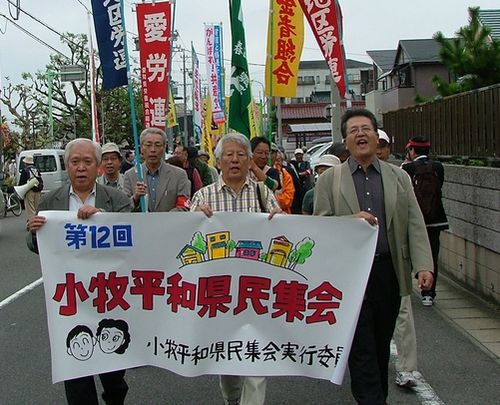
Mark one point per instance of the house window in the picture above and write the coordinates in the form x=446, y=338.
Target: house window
x=354, y=77
x=318, y=80
x=222, y=237
x=327, y=79
x=308, y=80
x=212, y=238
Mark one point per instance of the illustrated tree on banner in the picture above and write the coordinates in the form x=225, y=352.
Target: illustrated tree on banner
x=325, y=19
x=240, y=103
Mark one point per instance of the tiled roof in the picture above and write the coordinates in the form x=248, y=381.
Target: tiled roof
x=384, y=59
x=491, y=19
x=302, y=111
x=420, y=50
x=312, y=110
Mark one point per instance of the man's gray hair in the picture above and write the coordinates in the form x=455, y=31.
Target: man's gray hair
x=233, y=137
x=82, y=141
x=149, y=131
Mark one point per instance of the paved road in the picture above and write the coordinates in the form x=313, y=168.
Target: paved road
x=454, y=371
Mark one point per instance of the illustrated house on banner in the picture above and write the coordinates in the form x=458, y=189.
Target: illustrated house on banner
x=190, y=255
x=217, y=245
x=279, y=250
x=248, y=249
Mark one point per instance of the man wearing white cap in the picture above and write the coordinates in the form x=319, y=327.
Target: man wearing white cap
x=325, y=162
x=32, y=197
x=111, y=162
x=384, y=145
x=404, y=332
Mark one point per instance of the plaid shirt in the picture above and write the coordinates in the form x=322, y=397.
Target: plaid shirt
x=220, y=197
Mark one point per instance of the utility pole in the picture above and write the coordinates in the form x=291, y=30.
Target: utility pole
x=336, y=112
x=184, y=87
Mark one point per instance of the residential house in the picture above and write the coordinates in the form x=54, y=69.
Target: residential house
x=278, y=251
x=218, y=245
x=248, y=249
x=190, y=254
x=416, y=62
x=314, y=81
x=491, y=19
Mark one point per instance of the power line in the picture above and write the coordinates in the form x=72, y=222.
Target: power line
x=33, y=36
x=47, y=26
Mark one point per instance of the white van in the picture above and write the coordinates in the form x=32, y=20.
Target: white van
x=50, y=162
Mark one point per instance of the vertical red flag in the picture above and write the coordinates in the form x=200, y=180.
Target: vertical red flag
x=325, y=19
x=154, y=29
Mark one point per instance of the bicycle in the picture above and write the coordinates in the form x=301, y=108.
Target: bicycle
x=11, y=202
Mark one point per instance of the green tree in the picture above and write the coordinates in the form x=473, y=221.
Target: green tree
x=301, y=252
x=28, y=102
x=472, y=57
x=199, y=242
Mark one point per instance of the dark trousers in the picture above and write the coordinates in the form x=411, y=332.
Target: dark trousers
x=433, y=235
x=82, y=391
x=370, y=351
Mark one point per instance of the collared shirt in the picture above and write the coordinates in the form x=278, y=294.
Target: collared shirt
x=220, y=197
x=75, y=203
x=370, y=193
x=118, y=183
x=152, y=179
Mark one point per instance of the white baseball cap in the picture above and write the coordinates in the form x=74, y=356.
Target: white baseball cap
x=328, y=160
x=383, y=135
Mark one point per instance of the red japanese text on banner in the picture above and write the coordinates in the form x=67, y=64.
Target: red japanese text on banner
x=325, y=18
x=154, y=29
x=284, y=45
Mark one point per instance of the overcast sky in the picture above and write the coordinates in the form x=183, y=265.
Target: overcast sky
x=368, y=25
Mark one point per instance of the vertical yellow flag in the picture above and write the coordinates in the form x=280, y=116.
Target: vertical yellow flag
x=285, y=39
x=254, y=129
x=171, y=115
x=206, y=139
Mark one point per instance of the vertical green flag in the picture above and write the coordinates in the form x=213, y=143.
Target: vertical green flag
x=240, y=94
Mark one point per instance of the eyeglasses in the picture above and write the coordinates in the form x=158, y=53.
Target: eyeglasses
x=261, y=153
x=156, y=145
x=365, y=130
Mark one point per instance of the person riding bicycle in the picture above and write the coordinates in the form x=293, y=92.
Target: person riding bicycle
x=32, y=197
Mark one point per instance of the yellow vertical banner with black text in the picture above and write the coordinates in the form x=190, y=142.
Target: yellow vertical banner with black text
x=285, y=39
x=206, y=139
x=172, y=114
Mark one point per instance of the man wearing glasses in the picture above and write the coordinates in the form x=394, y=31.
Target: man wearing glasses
x=165, y=187
x=382, y=194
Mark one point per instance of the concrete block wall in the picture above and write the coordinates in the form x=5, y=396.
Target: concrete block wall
x=470, y=249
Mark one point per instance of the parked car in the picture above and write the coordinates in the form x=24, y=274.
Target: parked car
x=50, y=162
x=314, y=158
x=314, y=148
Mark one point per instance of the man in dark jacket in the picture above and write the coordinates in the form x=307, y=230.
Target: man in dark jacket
x=418, y=149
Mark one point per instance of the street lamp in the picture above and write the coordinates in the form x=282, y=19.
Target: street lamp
x=68, y=73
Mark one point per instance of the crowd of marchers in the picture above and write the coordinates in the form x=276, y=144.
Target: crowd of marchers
x=352, y=179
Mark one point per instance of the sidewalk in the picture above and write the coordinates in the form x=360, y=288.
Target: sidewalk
x=478, y=320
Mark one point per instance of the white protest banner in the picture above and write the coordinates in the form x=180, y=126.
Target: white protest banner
x=231, y=294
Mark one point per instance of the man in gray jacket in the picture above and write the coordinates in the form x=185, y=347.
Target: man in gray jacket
x=382, y=194
x=82, y=158
x=165, y=187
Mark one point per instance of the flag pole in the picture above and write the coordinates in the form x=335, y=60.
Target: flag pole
x=138, y=166
x=93, y=108
x=170, y=141
x=270, y=79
